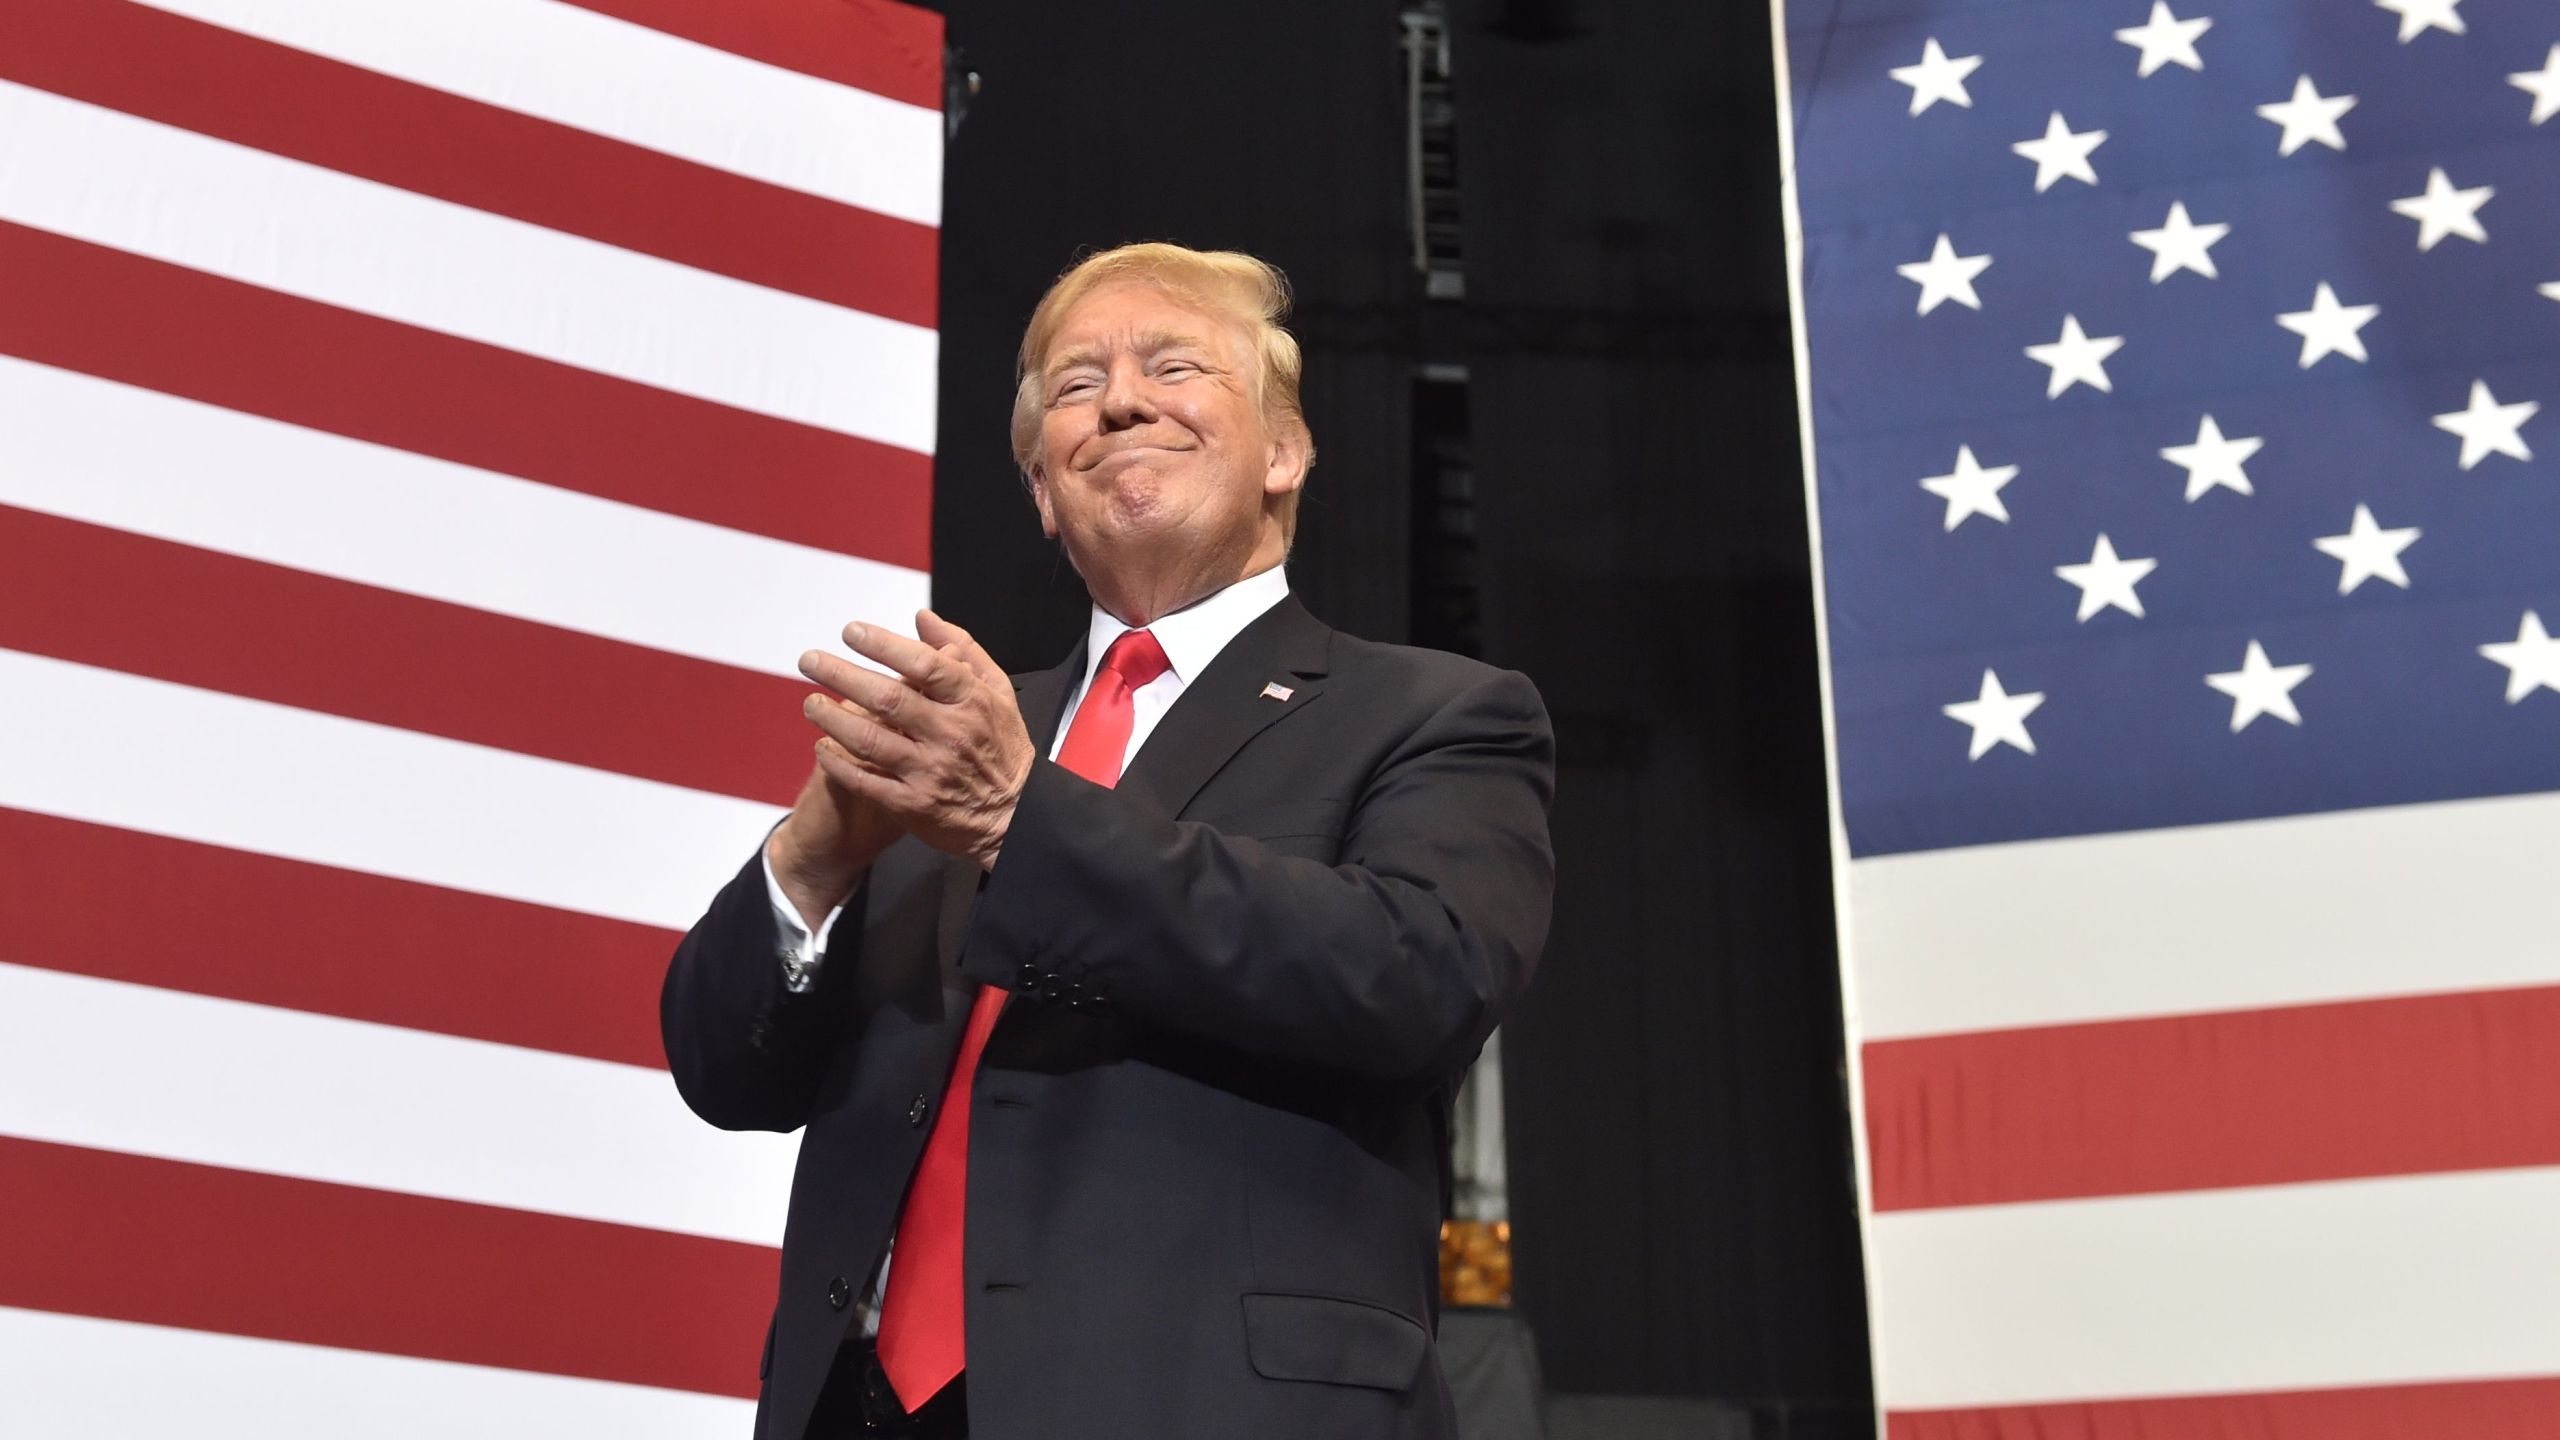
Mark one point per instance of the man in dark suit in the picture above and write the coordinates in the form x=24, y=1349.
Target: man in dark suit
x=1124, y=1002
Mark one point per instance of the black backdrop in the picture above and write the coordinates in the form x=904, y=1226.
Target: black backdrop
x=1275, y=129
x=1682, y=1199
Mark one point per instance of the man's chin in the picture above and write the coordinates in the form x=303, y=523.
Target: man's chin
x=1139, y=481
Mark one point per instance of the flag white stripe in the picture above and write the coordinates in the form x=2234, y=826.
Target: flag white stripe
x=146, y=1071
x=149, y=189
x=610, y=77
x=175, y=469
x=70, y=1377
x=115, y=749
x=2300, y=910
x=2366, y=1282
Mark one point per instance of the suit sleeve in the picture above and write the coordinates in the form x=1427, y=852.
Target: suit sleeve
x=1393, y=964
x=747, y=1051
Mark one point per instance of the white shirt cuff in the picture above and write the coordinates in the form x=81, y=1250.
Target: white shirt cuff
x=802, y=952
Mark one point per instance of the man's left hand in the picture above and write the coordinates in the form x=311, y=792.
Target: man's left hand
x=940, y=744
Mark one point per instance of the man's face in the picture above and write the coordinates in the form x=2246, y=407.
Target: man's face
x=1151, y=443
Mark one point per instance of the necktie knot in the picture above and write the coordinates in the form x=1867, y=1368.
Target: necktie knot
x=1137, y=657
x=1097, y=739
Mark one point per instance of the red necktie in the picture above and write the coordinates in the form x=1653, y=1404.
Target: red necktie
x=923, y=1319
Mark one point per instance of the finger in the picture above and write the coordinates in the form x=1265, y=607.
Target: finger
x=885, y=697
x=935, y=675
x=959, y=643
x=862, y=736
x=839, y=766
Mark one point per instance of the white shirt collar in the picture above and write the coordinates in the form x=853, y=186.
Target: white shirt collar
x=1193, y=635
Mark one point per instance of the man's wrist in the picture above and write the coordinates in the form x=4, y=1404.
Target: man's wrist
x=813, y=891
x=1000, y=819
x=985, y=849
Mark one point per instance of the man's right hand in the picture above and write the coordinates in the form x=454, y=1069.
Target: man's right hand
x=821, y=849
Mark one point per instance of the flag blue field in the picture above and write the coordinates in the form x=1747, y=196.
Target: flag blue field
x=2122, y=354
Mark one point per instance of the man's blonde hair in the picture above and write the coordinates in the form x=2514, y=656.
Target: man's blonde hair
x=1248, y=293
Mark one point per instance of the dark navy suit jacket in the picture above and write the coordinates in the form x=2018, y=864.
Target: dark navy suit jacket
x=1208, y=1142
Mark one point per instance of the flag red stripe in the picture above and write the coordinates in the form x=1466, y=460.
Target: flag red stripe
x=2409, y=1085
x=122, y=905
x=887, y=49
x=160, y=1242
x=151, y=607
x=181, y=332
x=2475, y=1410
x=286, y=102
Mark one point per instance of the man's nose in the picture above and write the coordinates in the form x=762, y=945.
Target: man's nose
x=1126, y=400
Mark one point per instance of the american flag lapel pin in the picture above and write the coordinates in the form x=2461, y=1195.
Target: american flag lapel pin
x=1277, y=691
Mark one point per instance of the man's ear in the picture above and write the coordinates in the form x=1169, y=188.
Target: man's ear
x=1037, y=477
x=1286, y=470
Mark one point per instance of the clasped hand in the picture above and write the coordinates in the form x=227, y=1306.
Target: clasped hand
x=939, y=747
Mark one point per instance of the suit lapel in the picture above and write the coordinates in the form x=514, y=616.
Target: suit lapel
x=1235, y=699
x=1042, y=697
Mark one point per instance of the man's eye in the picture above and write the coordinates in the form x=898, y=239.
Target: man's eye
x=1074, y=387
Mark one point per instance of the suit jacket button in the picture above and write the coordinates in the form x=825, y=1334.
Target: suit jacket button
x=839, y=1293
x=1028, y=975
x=916, y=1111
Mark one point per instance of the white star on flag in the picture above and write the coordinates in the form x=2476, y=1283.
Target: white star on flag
x=2367, y=552
x=2166, y=40
x=1938, y=78
x=2543, y=85
x=2418, y=16
x=2258, y=688
x=2213, y=460
x=1971, y=489
x=2181, y=244
x=2329, y=328
x=2443, y=210
x=1945, y=276
x=2309, y=116
x=1997, y=717
x=2488, y=428
x=2107, y=579
x=2076, y=359
x=2061, y=153
x=2532, y=660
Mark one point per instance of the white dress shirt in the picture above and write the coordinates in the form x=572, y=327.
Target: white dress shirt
x=1191, y=637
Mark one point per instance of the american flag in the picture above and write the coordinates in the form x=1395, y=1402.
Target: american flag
x=2182, y=390
x=429, y=432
